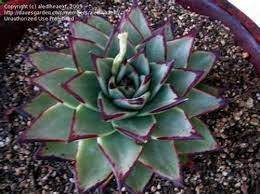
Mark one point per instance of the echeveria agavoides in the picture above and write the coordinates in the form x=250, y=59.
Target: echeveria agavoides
x=122, y=101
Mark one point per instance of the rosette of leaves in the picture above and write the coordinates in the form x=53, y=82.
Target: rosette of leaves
x=122, y=101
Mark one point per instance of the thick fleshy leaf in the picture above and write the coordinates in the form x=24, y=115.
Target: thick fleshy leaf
x=82, y=50
x=54, y=124
x=121, y=152
x=132, y=103
x=168, y=30
x=155, y=48
x=89, y=124
x=215, y=91
x=139, y=178
x=112, y=47
x=109, y=111
x=61, y=150
x=200, y=102
x=52, y=81
x=201, y=61
x=101, y=24
x=140, y=63
x=135, y=79
x=159, y=75
x=161, y=158
x=165, y=99
x=133, y=33
x=138, y=19
x=103, y=71
x=144, y=85
x=85, y=88
x=82, y=30
x=39, y=104
x=193, y=146
x=173, y=124
x=138, y=128
x=92, y=168
x=179, y=50
x=49, y=60
x=183, y=80
x=113, y=90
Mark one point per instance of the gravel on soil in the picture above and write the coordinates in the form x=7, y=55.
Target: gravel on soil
x=235, y=169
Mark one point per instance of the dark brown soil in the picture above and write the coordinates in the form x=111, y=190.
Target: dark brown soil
x=235, y=169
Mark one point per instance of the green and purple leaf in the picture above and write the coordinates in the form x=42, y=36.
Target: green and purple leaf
x=183, y=80
x=88, y=124
x=121, y=152
x=180, y=49
x=39, y=104
x=161, y=158
x=138, y=128
x=52, y=82
x=92, y=168
x=159, y=75
x=85, y=88
x=140, y=63
x=54, y=124
x=111, y=112
x=85, y=31
x=172, y=125
x=139, y=21
x=165, y=99
x=101, y=24
x=202, y=61
x=138, y=178
x=46, y=61
x=60, y=150
x=207, y=143
x=132, y=103
x=200, y=103
x=82, y=50
x=102, y=67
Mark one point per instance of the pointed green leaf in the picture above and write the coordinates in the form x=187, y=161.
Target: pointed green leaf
x=53, y=125
x=140, y=63
x=200, y=102
x=39, y=104
x=201, y=61
x=193, y=146
x=183, y=80
x=111, y=112
x=133, y=34
x=101, y=24
x=160, y=73
x=173, y=124
x=92, y=167
x=137, y=18
x=167, y=29
x=50, y=60
x=61, y=150
x=179, y=50
x=103, y=68
x=155, y=49
x=121, y=152
x=82, y=50
x=139, y=178
x=138, y=128
x=89, y=123
x=52, y=81
x=82, y=30
x=144, y=85
x=113, y=90
x=164, y=100
x=215, y=91
x=161, y=158
x=85, y=88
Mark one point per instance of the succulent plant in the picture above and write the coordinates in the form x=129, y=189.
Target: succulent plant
x=122, y=101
